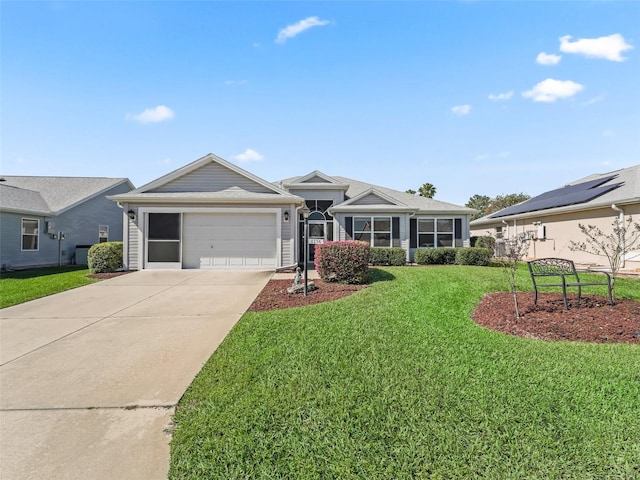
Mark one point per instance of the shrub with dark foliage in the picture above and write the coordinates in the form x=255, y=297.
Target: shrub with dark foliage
x=395, y=256
x=105, y=257
x=473, y=256
x=435, y=256
x=344, y=262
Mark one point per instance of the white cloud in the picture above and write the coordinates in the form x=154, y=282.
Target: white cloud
x=608, y=133
x=548, y=58
x=607, y=48
x=550, y=90
x=249, y=156
x=296, y=29
x=461, y=109
x=152, y=115
x=481, y=157
x=236, y=82
x=504, y=154
x=501, y=96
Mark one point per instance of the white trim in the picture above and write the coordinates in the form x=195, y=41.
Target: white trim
x=143, y=211
x=372, y=191
x=22, y=249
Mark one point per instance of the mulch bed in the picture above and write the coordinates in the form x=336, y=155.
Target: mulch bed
x=592, y=320
x=275, y=296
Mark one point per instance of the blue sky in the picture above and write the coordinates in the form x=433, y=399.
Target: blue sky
x=474, y=97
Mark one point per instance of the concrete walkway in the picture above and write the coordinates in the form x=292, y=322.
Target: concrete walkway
x=89, y=378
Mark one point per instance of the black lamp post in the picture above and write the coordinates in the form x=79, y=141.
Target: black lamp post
x=305, y=215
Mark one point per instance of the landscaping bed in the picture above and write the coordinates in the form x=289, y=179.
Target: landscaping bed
x=590, y=320
x=274, y=295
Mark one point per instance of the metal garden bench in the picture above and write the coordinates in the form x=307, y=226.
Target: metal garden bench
x=561, y=273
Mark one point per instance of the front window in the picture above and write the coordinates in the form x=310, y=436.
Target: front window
x=376, y=231
x=30, y=229
x=434, y=232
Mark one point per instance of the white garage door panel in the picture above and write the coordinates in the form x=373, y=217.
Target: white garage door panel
x=222, y=240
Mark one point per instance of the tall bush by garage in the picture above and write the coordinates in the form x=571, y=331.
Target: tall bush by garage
x=344, y=262
x=474, y=256
x=435, y=256
x=105, y=257
x=394, y=256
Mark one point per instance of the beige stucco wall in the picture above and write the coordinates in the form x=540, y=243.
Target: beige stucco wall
x=561, y=229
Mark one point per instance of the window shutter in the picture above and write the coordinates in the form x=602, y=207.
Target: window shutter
x=413, y=233
x=348, y=226
x=458, y=228
x=395, y=231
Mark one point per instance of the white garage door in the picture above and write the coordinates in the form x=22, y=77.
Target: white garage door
x=229, y=240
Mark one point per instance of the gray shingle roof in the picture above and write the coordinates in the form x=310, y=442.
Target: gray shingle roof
x=232, y=195
x=23, y=200
x=52, y=195
x=423, y=204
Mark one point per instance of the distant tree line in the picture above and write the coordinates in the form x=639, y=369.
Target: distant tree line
x=487, y=205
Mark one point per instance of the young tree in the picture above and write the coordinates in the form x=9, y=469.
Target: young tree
x=515, y=250
x=624, y=236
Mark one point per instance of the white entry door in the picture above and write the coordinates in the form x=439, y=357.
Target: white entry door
x=229, y=240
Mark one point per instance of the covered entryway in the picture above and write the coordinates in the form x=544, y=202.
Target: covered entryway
x=230, y=240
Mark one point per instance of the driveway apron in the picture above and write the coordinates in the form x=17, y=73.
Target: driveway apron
x=89, y=378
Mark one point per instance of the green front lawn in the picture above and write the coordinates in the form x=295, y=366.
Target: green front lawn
x=396, y=381
x=22, y=286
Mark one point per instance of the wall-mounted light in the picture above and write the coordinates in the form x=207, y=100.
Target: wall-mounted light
x=286, y=215
x=131, y=214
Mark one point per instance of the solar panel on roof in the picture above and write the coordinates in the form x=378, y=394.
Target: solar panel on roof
x=562, y=197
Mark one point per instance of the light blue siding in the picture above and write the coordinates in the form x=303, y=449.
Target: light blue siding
x=79, y=224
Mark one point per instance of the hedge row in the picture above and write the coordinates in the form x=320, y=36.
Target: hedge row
x=453, y=256
x=394, y=256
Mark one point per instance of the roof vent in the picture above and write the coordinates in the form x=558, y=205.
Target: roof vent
x=2, y=179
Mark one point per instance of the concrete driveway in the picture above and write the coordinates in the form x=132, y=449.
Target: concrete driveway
x=89, y=378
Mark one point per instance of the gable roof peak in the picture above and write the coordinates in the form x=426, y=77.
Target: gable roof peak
x=205, y=160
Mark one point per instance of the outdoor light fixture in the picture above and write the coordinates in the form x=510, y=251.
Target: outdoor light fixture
x=286, y=215
x=305, y=214
x=131, y=214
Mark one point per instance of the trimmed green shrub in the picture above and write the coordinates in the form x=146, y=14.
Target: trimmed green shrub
x=105, y=257
x=473, y=256
x=395, y=256
x=435, y=256
x=486, y=241
x=344, y=262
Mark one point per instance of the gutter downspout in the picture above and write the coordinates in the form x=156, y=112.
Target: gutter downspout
x=620, y=224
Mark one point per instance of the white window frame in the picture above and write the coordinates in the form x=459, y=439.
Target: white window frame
x=372, y=232
x=434, y=232
x=37, y=235
x=102, y=228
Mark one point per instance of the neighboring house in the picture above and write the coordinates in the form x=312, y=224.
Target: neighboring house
x=213, y=214
x=43, y=219
x=550, y=220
